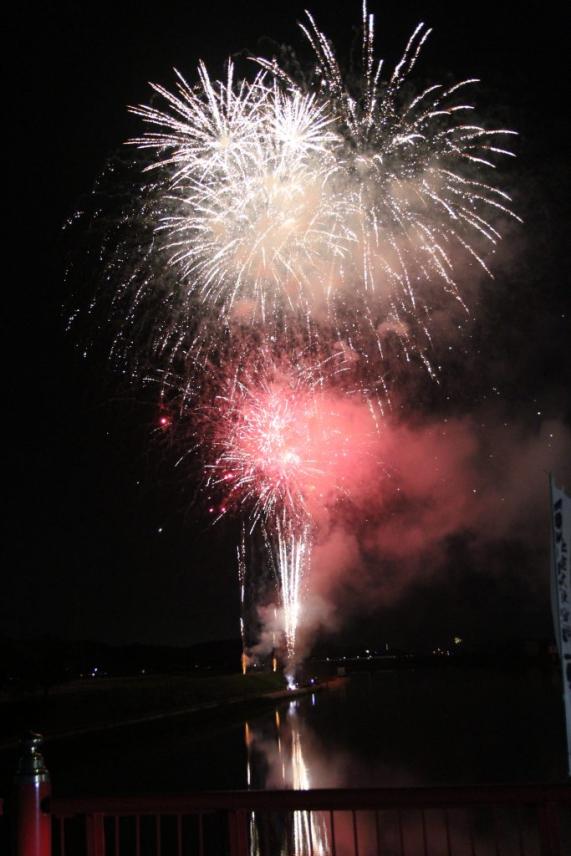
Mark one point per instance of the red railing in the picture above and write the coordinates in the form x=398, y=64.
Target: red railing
x=528, y=821
x=464, y=821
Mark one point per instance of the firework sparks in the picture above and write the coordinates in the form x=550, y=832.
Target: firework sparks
x=333, y=198
x=269, y=464
x=326, y=216
x=290, y=548
x=249, y=171
x=241, y=560
x=280, y=439
x=284, y=447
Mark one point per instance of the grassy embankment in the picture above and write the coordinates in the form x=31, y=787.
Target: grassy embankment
x=82, y=705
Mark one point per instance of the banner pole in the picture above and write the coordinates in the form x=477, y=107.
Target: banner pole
x=560, y=526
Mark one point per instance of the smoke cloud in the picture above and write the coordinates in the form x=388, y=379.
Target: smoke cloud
x=437, y=482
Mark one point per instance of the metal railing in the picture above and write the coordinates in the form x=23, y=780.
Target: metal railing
x=469, y=821
x=443, y=821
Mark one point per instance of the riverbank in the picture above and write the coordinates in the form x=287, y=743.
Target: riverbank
x=402, y=728
x=93, y=706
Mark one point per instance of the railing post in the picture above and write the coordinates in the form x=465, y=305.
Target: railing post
x=95, y=835
x=238, y=828
x=32, y=823
x=549, y=829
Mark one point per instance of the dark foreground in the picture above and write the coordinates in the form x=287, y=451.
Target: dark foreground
x=386, y=729
x=401, y=731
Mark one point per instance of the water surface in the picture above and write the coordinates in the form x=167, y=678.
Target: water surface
x=390, y=728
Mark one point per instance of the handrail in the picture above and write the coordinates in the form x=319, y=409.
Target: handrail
x=39, y=822
x=315, y=800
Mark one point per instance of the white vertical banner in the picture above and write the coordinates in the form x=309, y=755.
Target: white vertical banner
x=561, y=593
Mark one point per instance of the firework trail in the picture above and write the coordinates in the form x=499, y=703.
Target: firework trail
x=293, y=550
x=282, y=445
x=241, y=561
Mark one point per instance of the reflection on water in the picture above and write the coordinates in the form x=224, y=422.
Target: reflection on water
x=388, y=729
x=276, y=756
x=302, y=747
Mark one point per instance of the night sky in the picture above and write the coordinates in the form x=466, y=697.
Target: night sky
x=101, y=539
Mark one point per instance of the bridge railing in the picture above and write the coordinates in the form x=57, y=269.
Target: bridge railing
x=467, y=821
x=492, y=820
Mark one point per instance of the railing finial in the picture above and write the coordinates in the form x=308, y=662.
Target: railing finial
x=31, y=761
x=32, y=825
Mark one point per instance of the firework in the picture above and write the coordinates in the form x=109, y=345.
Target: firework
x=283, y=446
x=248, y=190
x=289, y=547
x=287, y=222
x=241, y=561
x=327, y=197
x=280, y=438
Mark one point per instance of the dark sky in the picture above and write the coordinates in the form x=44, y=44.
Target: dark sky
x=101, y=541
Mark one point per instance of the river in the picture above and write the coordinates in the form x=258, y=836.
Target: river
x=388, y=728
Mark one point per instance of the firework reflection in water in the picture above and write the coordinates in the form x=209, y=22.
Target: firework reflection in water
x=286, y=766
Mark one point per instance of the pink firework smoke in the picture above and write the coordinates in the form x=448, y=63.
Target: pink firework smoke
x=286, y=448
